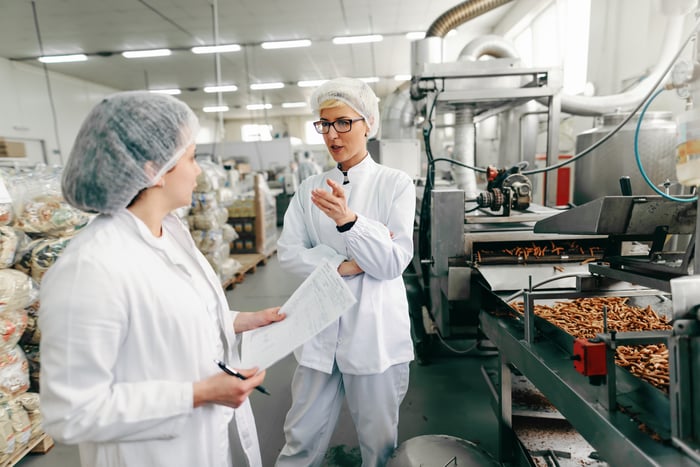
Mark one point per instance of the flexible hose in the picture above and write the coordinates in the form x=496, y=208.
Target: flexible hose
x=460, y=14
x=638, y=159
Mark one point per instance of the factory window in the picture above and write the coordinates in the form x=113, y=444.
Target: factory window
x=254, y=132
x=311, y=136
x=558, y=37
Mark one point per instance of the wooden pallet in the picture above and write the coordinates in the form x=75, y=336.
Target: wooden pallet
x=249, y=264
x=39, y=445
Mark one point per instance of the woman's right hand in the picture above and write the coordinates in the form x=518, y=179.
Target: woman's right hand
x=224, y=389
x=349, y=268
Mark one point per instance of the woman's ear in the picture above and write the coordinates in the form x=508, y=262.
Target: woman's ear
x=151, y=172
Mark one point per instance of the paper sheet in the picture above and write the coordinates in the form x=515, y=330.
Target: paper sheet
x=315, y=304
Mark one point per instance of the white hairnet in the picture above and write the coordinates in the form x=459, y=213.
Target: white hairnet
x=353, y=92
x=126, y=143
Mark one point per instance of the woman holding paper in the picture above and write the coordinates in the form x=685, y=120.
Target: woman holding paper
x=132, y=315
x=359, y=216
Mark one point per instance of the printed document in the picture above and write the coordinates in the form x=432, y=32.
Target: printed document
x=315, y=304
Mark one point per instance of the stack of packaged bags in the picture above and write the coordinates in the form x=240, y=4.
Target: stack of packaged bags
x=36, y=224
x=208, y=217
x=46, y=224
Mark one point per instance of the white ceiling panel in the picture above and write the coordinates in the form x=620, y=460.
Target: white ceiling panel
x=108, y=27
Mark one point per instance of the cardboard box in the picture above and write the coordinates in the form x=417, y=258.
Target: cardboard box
x=12, y=148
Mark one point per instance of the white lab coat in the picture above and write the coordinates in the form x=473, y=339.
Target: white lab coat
x=375, y=333
x=124, y=336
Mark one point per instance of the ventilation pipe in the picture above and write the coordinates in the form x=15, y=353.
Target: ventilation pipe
x=460, y=14
x=626, y=101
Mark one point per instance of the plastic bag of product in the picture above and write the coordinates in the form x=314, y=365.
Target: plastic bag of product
x=33, y=354
x=207, y=220
x=14, y=373
x=204, y=201
x=226, y=196
x=31, y=403
x=228, y=233
x=213, y=176
x=45, y=254
x=40, y=207
x=11, y=240
x=221, y=215
x=32, y=333
x=208, y=240
x=23, y=261
x=12, y=326
x=20, y=423
x=7, y=214
x=17, y=290
x=7, y=434
x=7, y=210
x=228, y=269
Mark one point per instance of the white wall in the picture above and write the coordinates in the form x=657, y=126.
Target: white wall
x=26, y=115
x=26, y=107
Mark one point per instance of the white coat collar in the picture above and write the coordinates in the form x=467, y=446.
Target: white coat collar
x=367, y=165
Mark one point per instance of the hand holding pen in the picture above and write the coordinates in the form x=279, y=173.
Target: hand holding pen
x=228, y=370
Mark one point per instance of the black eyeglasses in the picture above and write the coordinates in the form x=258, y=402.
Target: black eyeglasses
x=342, y=125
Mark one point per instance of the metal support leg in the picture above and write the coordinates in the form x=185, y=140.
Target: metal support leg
x=506, y=436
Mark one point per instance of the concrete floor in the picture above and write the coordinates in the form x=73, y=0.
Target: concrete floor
x=447, y=396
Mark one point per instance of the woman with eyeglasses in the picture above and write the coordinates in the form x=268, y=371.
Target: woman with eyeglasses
x=360, y=217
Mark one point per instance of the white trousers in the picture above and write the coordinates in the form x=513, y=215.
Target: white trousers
x=317, y=398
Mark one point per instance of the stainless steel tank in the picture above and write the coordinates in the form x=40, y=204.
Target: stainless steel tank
x=598, y=173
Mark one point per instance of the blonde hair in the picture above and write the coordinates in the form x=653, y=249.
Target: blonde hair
x=330, y=104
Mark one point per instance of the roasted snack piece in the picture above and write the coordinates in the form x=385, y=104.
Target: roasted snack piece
x=583, y=318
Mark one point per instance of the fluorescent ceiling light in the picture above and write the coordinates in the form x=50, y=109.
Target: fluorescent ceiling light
x=357, y=39
x=212, y=49
x=223, y=88
x=172, y=92
x=216, y=108
x=370, y=79
x=311, y=84
x=146, y=53
x=412, y=36
x=264, y=86
x=293, y=105
x=402, y=77
x=258, y=106
x=63, y=58
x=286, y=44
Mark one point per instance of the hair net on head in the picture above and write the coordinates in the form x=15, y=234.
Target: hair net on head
x=126, y=143
x=353, y=92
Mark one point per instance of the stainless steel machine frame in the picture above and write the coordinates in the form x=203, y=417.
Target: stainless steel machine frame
x=542, y=352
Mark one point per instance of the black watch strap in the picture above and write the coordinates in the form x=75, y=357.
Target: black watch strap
x=345, y=227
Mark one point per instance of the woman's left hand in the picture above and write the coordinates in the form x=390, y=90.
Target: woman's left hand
x=245, y=321
x=333, y=204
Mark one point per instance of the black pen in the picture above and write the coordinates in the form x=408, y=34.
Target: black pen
x=232, y=372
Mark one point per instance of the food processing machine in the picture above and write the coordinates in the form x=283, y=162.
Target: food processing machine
x=647, y=251
x=484, y=244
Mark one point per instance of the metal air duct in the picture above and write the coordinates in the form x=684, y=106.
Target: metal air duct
x=460, y=14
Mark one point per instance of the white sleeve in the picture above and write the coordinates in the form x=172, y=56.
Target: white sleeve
x=384, y=251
